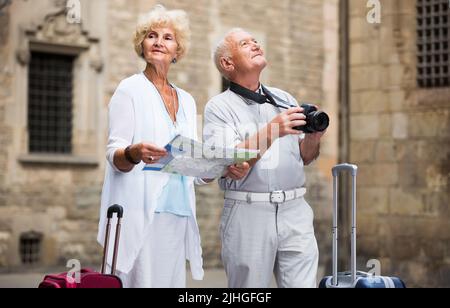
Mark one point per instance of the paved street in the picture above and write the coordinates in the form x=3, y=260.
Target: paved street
x=213, y=279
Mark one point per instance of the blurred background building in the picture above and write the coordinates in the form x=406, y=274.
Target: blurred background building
x=386, y=86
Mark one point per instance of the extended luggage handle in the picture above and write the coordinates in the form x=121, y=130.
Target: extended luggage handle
x=115, y=209
x=111, y=211
x=353, y=169
x=345, y=167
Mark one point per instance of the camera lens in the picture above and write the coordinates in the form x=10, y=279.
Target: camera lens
x=320, y=121
x=316, y=121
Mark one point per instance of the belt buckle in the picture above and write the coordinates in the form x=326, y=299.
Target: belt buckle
x=278, y=196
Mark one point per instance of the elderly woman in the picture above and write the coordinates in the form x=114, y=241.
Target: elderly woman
x=159, y=231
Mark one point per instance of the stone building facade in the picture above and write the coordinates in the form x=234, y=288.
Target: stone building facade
x=400, y=137
x=57, y=196
x=397, y=132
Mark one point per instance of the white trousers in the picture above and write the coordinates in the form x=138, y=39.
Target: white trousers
x=162, y=260
x=263, y=239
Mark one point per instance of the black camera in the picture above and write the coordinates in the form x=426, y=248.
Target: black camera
x=316, y=121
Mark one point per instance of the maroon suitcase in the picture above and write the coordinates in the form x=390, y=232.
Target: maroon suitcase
x=90, y=279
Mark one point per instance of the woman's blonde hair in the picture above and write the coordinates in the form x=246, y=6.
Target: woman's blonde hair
x=161, y=17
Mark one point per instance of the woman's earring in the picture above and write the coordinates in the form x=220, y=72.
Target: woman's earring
x=174, y=61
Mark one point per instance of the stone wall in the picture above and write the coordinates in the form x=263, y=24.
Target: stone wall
x=5, y=89
x=57, y=200
x=62, y=201
x=400, y=138
x=5, y=136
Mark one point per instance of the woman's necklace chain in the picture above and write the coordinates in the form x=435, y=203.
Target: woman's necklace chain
x=171, y=109
x=171, y=104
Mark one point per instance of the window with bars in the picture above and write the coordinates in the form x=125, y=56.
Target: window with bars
x=30, y=247
x=433, y=22
x=50, y=103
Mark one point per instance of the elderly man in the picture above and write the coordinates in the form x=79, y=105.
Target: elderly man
x=266, y=225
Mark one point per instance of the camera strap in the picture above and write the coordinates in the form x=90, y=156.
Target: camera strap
x=267, y=98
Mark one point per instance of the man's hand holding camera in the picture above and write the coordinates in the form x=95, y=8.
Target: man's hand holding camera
x=310, y=145
x=284, y=124
x=294, y=121
x=307, y=119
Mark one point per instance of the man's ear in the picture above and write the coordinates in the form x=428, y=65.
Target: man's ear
x=227, y=64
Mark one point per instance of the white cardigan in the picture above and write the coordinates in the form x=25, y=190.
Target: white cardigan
x=135, y=116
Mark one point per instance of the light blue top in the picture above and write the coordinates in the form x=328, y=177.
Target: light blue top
x=174, y=198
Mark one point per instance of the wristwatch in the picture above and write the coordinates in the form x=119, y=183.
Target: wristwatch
x=129, y=158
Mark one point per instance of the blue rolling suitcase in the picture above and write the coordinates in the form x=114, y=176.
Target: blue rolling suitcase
x=353, y=279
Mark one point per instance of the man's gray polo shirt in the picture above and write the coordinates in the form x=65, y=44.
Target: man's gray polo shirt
x=231, y=119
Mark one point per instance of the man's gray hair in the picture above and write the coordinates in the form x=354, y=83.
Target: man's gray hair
x=223, y=50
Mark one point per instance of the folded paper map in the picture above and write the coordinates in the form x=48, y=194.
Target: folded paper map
x=191, y=158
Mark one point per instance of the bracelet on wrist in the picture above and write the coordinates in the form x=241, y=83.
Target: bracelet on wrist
x=129, y=158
